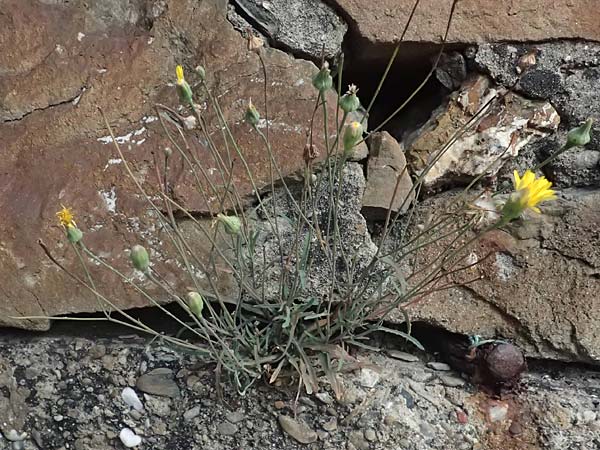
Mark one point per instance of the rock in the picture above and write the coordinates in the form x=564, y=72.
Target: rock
x=378, y=25
x=539, y=290
x=497, y=412
x=442, y=367
x=304, y=27
x=227, y=428
x=386, y=163
x=158, y=382
x=235, y=417
x=370, y=435
x=515, y=428
x=191, y=413
x=567, y=75
x=330, y=425
x=403, y=356
x=499, y=134
x=505, y=362
x=357, y=438
x=451, y=381
x=300, y=431
x=325, y=397
x=368, y=377
x=130, y=397
x=51, y=86
x=129, y=438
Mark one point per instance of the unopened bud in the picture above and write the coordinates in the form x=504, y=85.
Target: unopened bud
x=139, y=258
x=195, y=303
x=168, y=152
x=349, y=102
x=323, y=81
x=183, y=88
x=252, y=116
x=231, y=224
x=200, y=72
x=352, y=135
x=74, y=234
x=580, y=136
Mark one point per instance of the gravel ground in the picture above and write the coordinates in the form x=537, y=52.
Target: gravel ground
x=66, y=392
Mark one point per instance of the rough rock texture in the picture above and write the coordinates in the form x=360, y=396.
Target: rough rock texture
x=504, y=127
x=386, y=163
x=309, y=28
x=475, y=21
x=65, y=392
x=566, y=74
x=540, y=285
x=119, y=56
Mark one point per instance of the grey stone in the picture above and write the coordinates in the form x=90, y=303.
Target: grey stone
x=440, y=366
x=235, y=417
x=403, y=356
x=370, y=435
x=304, y=27
x=191, y=413
x=300, y=431
x=227, y=428
x=567, y=74
x=386, y=169
x=158, y=382
x=451, y=381
x=330, y=425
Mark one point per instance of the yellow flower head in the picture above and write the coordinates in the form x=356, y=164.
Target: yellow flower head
x=65, y=217
x=532, y=191
x=179, y=72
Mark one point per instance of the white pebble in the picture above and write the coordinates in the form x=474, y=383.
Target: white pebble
x=131, y=398
x=129, y=438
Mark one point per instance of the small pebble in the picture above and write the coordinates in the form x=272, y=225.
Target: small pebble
x=368, y=377
x=226, y=428
x=131, y=398
x=450, y=381
x=439, y=366
x=279, y=404
x=403, y=356
x=191, y=413
x=497, y=413
x=515, y=428
x=129, y=438
x=235, y=417
x=298, y=430
x=324, y=397
x=58, y=418
x=330, y=425
x=370, y=435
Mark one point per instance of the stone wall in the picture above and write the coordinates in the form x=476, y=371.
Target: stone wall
x=61, y=61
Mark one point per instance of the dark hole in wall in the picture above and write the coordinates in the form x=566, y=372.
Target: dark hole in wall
x=365, y=65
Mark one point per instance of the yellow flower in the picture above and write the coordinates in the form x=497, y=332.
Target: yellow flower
x=179, y=72
x=65, y=217
x=532, y=190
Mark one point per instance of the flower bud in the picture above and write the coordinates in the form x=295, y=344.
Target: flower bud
x=323, y=81
x=352, y=135
x=349, y=102
x=195, y=303
x=580, y=136
x=252, y=116
x=513, y=208
x=200, y=72
x=231, y=224
x=74, y=234
x=168, y=152
x=139, y=258
x=183, y=88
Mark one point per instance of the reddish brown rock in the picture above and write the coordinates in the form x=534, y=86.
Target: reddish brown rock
x=71, y=59
x=474, y=21
x=540, y=283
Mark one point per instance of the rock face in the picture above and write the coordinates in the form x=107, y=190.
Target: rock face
x=498, y=125
x=475, y=21
x=567, y=75
x=540, y=285
x=119, y=56
x=386, y=163
x=305, y=27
